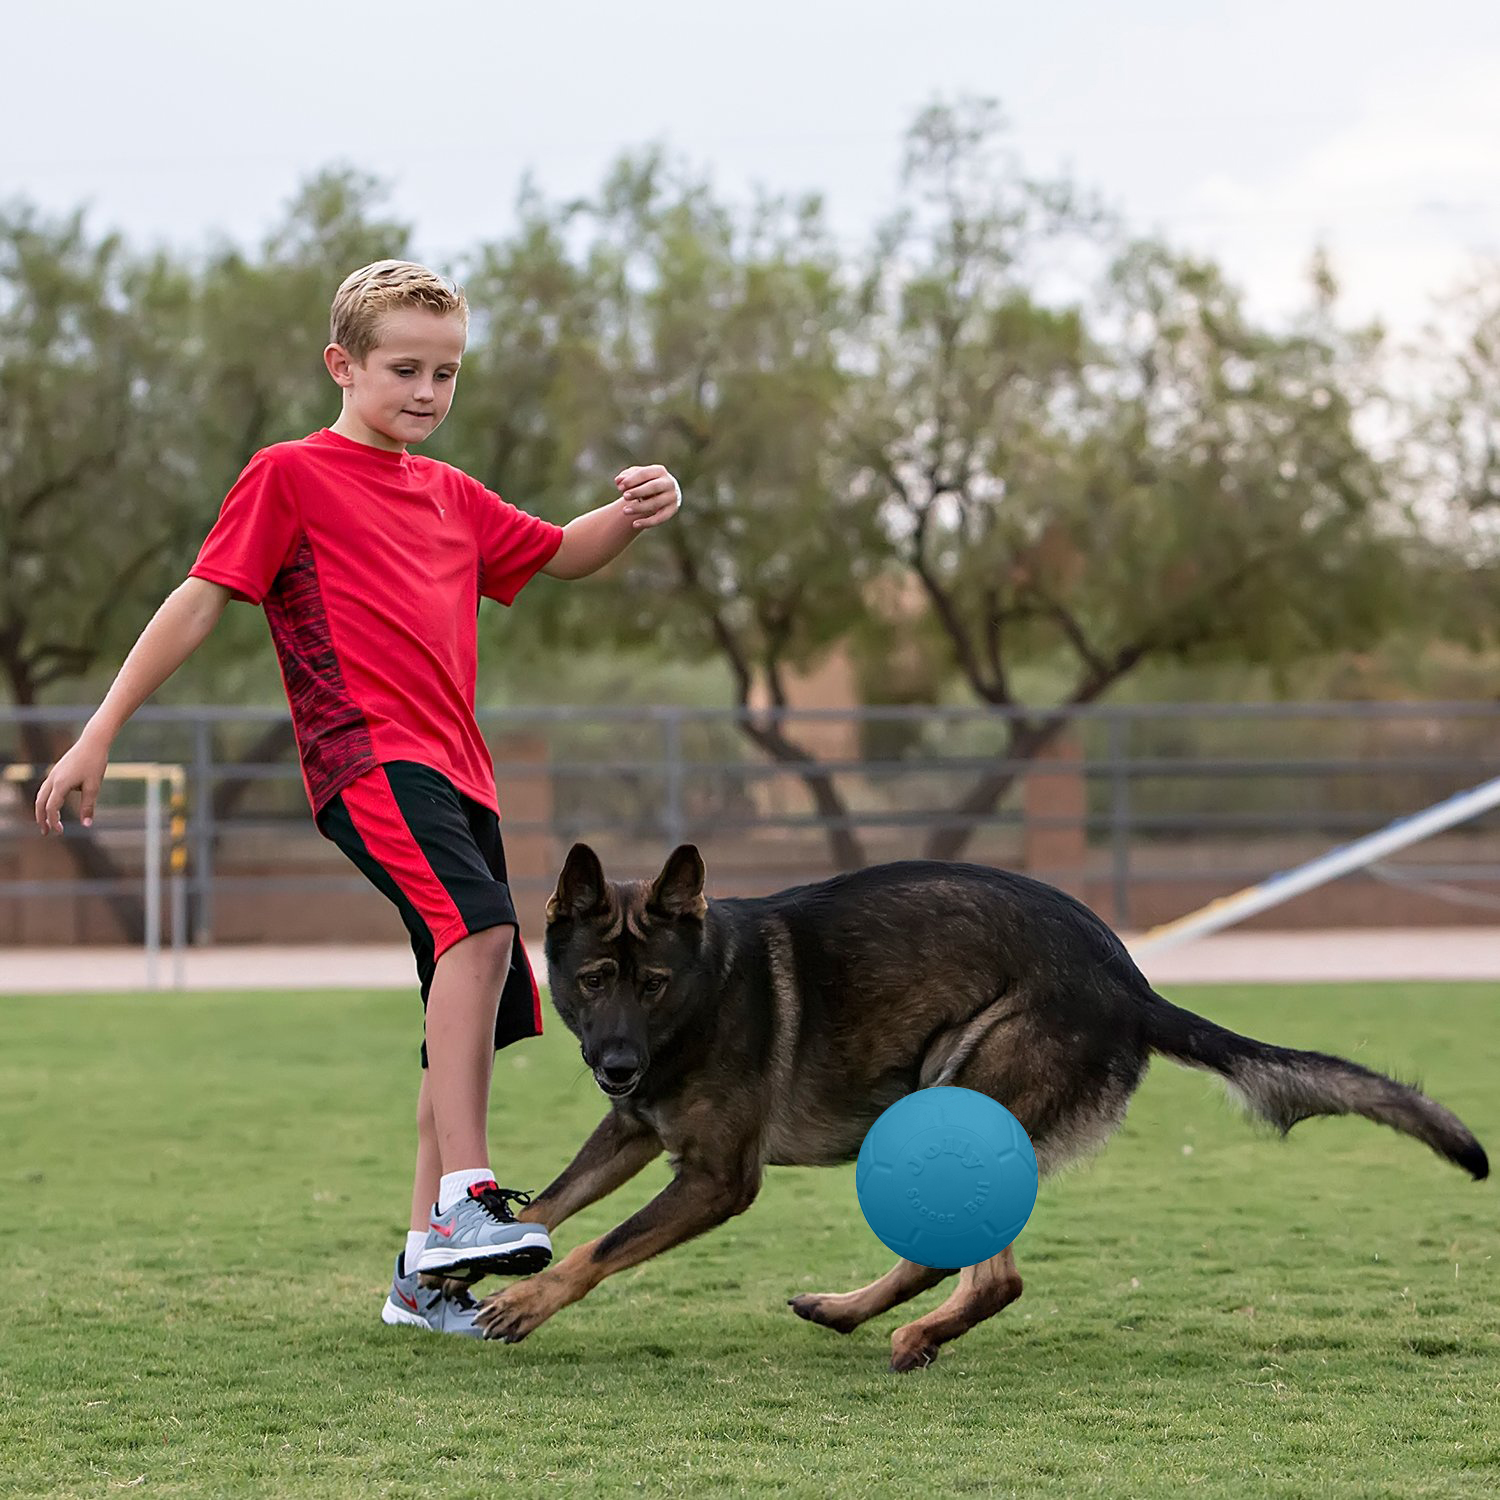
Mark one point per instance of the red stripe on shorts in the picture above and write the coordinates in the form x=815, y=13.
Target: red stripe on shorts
x=373, y=810
x=536, y=992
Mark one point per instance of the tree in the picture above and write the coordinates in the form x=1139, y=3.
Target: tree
x=1068, y=447
x=255, y=352
x=714, y=347
x=257, y=357
x=1462, y=420
x=94, y=450
x=1155, y=475
x=133, y=391
x=1451, y=451
x=1146, y=473
x=91, y=442
x=531, y=368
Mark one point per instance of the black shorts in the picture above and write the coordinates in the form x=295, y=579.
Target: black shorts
x=437, y=854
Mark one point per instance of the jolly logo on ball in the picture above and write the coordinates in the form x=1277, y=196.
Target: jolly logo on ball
x=968, y=1158
x=947, y=1146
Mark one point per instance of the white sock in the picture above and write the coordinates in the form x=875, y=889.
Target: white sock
x=412, y=1256
x=455, y=1184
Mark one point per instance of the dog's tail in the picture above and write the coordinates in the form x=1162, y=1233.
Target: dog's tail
x=1283, y=1086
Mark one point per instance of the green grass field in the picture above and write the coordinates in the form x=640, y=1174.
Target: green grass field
x=202, y=1196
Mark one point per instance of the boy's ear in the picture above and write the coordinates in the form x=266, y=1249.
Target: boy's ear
x=678, y=890
x=336, y=357
x=581, y=889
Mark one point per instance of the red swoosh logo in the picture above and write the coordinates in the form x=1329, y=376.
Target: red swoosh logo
x=411, y=1302
x=447, y=1233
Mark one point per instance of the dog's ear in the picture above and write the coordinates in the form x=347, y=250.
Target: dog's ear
x=581, y=890
x=678, y=890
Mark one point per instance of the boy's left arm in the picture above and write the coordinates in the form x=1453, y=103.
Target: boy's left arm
x=648, y=496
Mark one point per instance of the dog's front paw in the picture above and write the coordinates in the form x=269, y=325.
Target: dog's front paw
x=518, y=1310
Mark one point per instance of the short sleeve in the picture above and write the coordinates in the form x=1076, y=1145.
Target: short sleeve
x=513, y=546
x=255, y=534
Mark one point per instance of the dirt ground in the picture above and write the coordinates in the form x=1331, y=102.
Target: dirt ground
x=1224, y=958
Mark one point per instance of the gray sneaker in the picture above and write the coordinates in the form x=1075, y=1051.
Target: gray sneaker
x=480, y=1235
x=412, y=1304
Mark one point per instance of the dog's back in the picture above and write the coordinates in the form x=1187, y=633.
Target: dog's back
x=905, y=975
x=918, y=973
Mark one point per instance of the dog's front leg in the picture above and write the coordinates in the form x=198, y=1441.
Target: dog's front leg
x=613, y=1154
x=619, y=1147
x=695, y=1200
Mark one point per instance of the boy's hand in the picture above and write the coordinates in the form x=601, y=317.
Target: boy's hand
x=651, y=495
x=81, y=769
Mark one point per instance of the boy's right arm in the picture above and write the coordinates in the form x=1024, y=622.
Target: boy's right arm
x=176, y=630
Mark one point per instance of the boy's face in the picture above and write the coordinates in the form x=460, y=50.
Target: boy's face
x=405, y=386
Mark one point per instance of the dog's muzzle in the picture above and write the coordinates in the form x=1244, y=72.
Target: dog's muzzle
x=617, y=1082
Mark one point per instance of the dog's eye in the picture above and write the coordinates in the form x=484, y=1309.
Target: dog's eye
x=593, y=981
x=653, y=983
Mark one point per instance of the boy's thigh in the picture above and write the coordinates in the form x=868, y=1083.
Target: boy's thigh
x=520, y=1000
x=485, y=826
x=407, y=828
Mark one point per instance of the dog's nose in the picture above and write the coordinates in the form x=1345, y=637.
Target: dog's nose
x=619, y=1060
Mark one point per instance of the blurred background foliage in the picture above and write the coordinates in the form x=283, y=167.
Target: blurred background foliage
x=986, y=481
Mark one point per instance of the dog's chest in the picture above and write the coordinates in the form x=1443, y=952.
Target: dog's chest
x=798, y=1136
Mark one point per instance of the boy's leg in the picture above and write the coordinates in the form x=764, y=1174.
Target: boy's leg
x=413, y=834
x=474, y=991
x=409, y=1302
x=429, y=1162
x=461, y=1008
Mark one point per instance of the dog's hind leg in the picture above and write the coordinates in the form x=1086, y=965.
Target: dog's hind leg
x=947, y=1054
x=1069, y=1089
x=845, y=1311
x=981, y=1292
x=950, y=1051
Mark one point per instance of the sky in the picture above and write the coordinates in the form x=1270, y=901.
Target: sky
x=1249, y=129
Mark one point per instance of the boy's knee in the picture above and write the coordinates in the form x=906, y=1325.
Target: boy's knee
x=489, y=944
x=497, y=940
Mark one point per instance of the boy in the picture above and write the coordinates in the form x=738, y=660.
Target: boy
x=370, y=562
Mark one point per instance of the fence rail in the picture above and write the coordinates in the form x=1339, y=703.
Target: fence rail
x=1138, y=808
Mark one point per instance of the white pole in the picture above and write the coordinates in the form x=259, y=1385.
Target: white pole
x=153, y=877
x=153, y=775
x=1256, y=898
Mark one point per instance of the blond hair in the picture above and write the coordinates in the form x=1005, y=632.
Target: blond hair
x=364, y=295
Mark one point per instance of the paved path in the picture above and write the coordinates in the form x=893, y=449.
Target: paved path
x=1225, y=958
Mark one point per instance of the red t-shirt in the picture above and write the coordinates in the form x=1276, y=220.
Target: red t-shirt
x=370, y=566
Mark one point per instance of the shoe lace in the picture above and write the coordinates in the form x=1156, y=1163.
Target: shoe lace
x=497, y=1202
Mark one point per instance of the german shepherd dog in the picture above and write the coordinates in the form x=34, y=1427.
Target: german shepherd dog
x=736, y=1034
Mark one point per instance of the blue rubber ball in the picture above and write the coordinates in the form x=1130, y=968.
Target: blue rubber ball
x=946, y=1177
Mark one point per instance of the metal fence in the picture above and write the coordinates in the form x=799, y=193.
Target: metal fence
x=1143, y=810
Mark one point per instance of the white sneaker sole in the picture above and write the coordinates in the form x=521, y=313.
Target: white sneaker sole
x=396, y=1316
x=439, y=1259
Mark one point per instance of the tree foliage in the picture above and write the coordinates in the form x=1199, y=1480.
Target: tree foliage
x=1006, y=433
